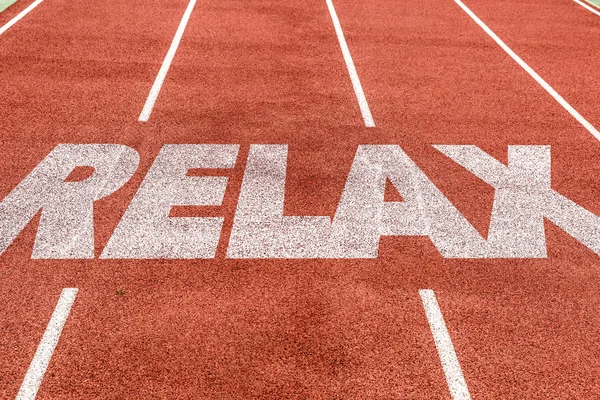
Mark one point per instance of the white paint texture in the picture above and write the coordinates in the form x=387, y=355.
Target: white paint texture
x=147, y=231
x=43, y=354
x=166, y=65
x=452, y=371
x=522, y=200
x=545, y=85
x=19, y=16
x=356, y=85
x=362, y=216
x=260, y=230
x=66, y=228
x=587, y=7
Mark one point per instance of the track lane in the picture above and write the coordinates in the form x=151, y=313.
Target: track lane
x=589, y=6
x=556, y=39
x=286, y=315
x=274, y=67
x=12, y=10
x=267, y=327
x=70, y=73
x=19, y=16
x=433, y=76
x=354, y=329
x=43, y=354
x=266, y=331
x=25, y=312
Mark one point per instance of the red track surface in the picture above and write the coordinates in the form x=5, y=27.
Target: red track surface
x=272, y=72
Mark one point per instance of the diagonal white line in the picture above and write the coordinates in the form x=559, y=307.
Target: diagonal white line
x=596, y=6
x=531, y=72
x=582, y=4
x=19, y=16
x=443, y=343
x=164, y=69
x=358, y=90
x=43, y=354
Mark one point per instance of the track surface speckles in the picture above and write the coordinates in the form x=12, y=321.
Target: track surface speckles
x=273, y=73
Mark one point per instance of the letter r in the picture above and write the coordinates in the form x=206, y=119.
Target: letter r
x=66, y=228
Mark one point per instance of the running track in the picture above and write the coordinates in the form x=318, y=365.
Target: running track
x=265, y=72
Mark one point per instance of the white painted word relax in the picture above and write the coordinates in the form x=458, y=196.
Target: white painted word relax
x=523, y=199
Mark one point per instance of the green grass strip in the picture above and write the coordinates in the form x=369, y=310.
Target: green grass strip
x=5, y=3
x=594, y=2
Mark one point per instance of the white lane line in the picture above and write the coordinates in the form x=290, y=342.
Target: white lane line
x=358, y=90
x=19, y=16
x=441, y=337
x=582, y=4
x=596, y=6
x=164, y=69
x=42, y=356
x=531, y=72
